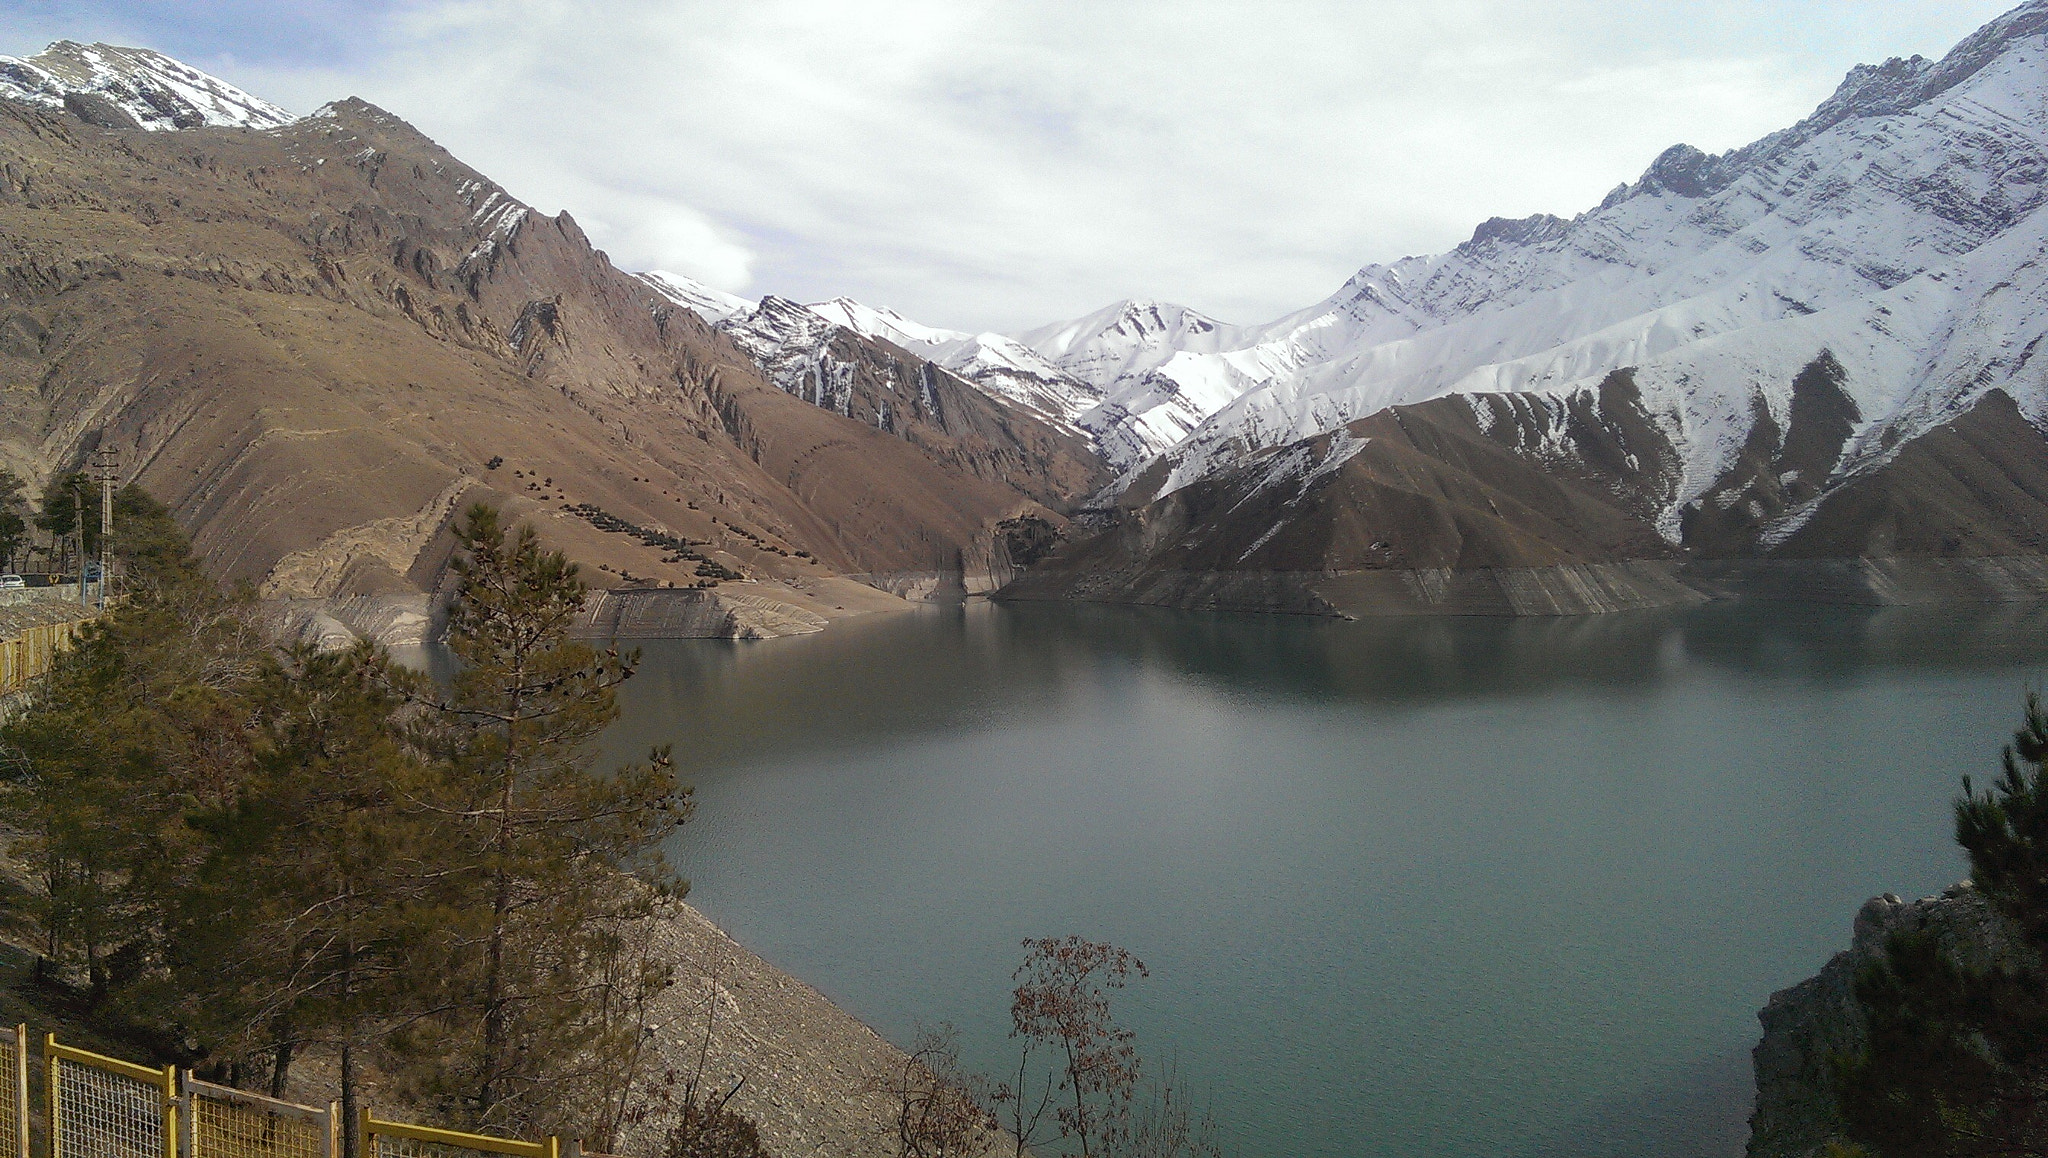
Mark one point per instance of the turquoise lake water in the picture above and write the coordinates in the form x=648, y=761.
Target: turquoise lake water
x=1451, y=887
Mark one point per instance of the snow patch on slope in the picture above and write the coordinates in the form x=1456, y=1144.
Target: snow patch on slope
x=1000, y=366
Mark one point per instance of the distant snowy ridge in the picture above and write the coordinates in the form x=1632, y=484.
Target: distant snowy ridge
x=1900, y=226
x=791, y=342
x=1715, y=277
x=713, y=305
x=151, y=89
x=999, y=365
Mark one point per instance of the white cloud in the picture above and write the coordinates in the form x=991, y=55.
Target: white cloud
x=988, y=164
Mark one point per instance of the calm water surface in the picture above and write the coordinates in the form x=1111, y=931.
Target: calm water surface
x=1451, y=887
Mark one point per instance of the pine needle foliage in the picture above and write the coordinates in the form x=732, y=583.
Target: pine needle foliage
x=2005, y=828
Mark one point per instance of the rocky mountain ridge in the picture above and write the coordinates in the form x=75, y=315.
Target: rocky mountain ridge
x=1826, y=338
x=318, y=340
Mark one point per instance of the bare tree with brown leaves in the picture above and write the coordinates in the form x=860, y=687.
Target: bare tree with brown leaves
x=1062, y=1003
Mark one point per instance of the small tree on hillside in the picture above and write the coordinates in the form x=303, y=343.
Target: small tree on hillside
x=73, y=528
x=13, y=524
x=941, y=1110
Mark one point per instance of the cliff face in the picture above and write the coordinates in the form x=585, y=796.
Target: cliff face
x=1808, y=1024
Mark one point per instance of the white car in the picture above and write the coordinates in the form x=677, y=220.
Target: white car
x=12, y=582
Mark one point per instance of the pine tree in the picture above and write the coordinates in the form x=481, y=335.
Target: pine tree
x=141, y=722
x=327, y=899
x=2005, y=828
x=1956, y=1059
x=564, y=859
x=13, y=526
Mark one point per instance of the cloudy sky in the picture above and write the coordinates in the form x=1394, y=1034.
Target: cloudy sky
x=998, y=165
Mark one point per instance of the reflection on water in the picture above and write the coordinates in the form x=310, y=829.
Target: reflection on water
x=942, y=668
x=1417, y=886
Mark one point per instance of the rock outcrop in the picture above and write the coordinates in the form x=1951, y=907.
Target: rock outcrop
x=1804, y=1027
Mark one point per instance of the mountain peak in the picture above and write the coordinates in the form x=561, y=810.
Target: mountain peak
x=884, y=323
x=713, y=305
x=119, y=87
x=1523, y=230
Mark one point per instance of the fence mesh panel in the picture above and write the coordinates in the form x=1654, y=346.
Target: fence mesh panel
x=107, y=1115
x=390, y=1146
x=11, y=1125
x=226, y=1129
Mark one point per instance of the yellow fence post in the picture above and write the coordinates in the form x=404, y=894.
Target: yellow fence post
x=19, y=1093
x=50, y=1092
x=170, y=1108
x=188, y=1121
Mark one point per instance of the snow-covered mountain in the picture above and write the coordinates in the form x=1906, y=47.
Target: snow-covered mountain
x=1896, y=226
x=1120, y=351
x=133, y=87
x=1094, y=374
x=1818, y=346
x=811, y=356
x=792, y=343
x=1821, y=344
x=1000, y=365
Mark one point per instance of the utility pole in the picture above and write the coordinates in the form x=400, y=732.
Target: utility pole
x=78, y=526
x=103, y=461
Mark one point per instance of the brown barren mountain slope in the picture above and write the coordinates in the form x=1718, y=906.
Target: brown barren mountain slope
x=313, y=342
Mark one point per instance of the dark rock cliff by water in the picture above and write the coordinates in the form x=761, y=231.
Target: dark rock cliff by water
x=1796, y=1113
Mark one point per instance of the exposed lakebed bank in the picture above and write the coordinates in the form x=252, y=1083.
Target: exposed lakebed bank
x=1568, y=589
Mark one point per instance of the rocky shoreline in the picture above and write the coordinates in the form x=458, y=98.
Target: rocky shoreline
x=811, y=1076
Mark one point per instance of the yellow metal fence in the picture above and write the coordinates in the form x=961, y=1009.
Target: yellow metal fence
x=32, y=649
x=221, y=1122
x=398, y=1140
x=14, y=1106
x=102, y=1107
